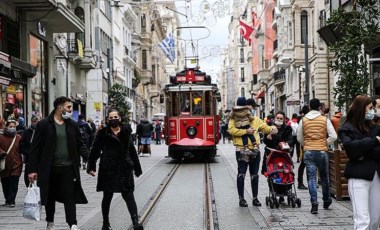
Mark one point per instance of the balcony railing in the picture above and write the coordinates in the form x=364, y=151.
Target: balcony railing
x=279, y=75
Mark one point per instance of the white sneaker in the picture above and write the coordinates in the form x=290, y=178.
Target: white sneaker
x=74, y=227
x=50, y=226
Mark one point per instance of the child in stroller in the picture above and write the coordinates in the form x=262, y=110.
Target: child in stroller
x=279, y=171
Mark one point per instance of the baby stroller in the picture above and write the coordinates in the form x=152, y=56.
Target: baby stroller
x=280, y=179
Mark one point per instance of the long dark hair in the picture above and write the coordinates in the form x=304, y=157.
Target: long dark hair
x=356, y=114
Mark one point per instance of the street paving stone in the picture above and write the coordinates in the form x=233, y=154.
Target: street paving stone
x=339, y=216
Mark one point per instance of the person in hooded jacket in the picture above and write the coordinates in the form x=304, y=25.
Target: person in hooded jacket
x=315, y=132
x=118, y=160
x=144, y=130
x=26, y=146
x=360, y=137
x=10, y=176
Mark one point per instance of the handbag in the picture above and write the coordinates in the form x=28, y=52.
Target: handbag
x=32, y=203
x=2, y=160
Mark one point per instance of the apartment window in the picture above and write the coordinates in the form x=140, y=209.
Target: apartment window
x=154, y=74
x=290, y=33
x=303, y=26
x=241, y=55
x=242, y=40
x=143, y=23
x=105, y=7
x=322, y=18
x=144, y=60
x=254, y=80
x=242, y=75
x=242, y=92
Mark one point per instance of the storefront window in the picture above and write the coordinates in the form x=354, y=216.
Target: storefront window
x=13, y=100
x=38, y=85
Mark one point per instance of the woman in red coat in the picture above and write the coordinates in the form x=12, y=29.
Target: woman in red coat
x=13, y=162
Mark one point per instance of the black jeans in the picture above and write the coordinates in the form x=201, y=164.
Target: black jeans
x=62, y=184
x=296, y=146
x=253, y=171
x=301, y=170
x=128, y=198
x=10, y=188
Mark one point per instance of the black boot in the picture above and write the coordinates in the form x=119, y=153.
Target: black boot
x=136, y=224
x=106, y=226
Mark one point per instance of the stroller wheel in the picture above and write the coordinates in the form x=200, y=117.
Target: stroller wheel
x=267, y=200
x=298, y=202
x=277, y=203
x=271, y=203
x=293, y=203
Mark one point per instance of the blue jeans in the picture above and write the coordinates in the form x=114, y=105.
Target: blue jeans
x=253, y=171
x=317, y=160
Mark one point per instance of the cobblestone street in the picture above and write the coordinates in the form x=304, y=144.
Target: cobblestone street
x=230, y=215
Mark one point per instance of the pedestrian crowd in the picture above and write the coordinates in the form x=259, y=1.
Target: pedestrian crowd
x=55, y=148
x=311, y=134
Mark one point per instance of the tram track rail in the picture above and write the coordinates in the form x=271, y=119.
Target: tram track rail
x=210, y=214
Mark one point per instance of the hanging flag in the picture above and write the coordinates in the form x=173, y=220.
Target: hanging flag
x=246, y=31
x=168, y=47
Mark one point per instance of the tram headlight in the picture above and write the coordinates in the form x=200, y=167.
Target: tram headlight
x=191, y=131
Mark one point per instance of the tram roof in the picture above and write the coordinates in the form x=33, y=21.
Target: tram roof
x=187, y=87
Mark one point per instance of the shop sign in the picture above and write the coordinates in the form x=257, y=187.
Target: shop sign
x=41, y=29
x=292, y=102
x=4, y=81
x=5, y=60
x=97, y=106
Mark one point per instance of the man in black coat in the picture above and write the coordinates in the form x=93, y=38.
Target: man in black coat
x=55, y=161
x=118, y=159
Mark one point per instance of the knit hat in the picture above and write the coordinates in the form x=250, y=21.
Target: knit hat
x=241, y=101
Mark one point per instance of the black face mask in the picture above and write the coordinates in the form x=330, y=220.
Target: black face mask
x=114, y=123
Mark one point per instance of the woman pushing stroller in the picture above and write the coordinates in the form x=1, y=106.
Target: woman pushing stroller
x=272, y=141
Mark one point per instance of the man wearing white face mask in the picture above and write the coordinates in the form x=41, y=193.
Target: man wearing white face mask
x=55, y=159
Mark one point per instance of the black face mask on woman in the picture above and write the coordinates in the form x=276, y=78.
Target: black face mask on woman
x=114, y=123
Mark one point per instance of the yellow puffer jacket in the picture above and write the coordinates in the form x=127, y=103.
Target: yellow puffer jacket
x=257, y=124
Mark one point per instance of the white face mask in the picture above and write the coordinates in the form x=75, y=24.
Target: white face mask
x=66, y=115
x=278, y=123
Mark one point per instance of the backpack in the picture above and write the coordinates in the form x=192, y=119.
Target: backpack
x=294, y=126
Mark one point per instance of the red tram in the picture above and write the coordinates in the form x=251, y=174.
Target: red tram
x=192, y=122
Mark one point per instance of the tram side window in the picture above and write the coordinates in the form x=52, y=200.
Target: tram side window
x=185, y=103
x=174, y=104
x=208, y=104
x=197, y=103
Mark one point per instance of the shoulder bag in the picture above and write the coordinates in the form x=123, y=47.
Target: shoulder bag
x=2, y=161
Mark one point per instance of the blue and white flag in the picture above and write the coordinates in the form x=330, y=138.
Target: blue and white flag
x=168, y=47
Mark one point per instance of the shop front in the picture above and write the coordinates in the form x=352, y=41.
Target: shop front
x=13, y=84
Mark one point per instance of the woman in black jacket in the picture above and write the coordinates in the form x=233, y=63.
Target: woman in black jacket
x=118, y=160
x=272, y=140
x=360, y=139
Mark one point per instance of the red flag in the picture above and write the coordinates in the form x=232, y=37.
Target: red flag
x=246, y=31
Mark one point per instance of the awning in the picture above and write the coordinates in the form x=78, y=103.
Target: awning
x=26, y=69
x=54, y=16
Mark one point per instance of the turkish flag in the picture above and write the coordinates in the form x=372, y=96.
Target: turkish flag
x=246, y=31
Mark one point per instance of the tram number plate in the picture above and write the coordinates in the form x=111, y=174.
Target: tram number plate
x=199, y=78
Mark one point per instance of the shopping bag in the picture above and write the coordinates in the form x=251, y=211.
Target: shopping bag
x=32, y=203
x=2, y=164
